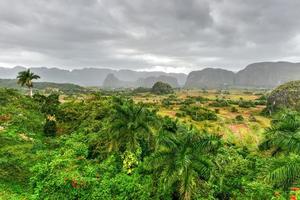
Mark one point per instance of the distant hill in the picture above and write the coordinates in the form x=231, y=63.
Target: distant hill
x=210, y=78
x=257, y=75
x=130, y=75
x=268, y=74
x=150, y=81
x=88, y=76
x=64, y=87
x=111, y=81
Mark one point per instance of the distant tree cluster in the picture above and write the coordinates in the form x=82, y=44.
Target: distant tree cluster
x=161, y=88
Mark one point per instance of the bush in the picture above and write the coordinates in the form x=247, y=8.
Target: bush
x=252, y=118
x=50, y=128
x=178, y=114
x=246, y=104
x=219, y=103
x=6, y=95
x=234, y=109
x=141, y=90
x=199, y=114
x=50, y=104
x=239, y=118
x=166, y=102
x=188, y=101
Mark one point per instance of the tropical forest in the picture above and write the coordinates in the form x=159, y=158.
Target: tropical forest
x=148, y=143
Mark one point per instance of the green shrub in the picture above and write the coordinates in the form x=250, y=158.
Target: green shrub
x=50, y=104
x=178, y=114
x=141, y=90
x=252, y=118
x=166, y=102
x=50, y=128
x=219, y=103
x=198, y=113
x=246, y=104
x=239, y=118
x=234, y=109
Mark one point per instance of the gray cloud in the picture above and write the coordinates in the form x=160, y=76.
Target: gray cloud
x=172, y=35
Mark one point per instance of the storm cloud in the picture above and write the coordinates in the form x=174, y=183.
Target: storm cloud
x=169, y=35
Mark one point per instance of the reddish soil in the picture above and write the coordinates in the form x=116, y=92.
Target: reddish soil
x=239, y=129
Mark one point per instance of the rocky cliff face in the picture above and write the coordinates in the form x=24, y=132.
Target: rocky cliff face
x=285, y=96
x=210, y=78
x=150, y=81
x=267, y=74
x=130, y=75
x=111, y=81
x=87, y=76
x=263, y=75
x=257, y=75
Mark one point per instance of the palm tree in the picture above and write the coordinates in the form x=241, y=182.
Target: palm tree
x=25, y=78
x=283, y=139
x=284, y=171
x=129, y=126
x=183, y=158
x=284, y=134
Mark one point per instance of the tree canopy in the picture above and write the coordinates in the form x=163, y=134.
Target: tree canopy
x=26, y=78
x=161, y=88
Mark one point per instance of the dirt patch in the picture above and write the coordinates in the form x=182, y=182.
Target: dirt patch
x=5, y=118
x=23, y=136
x=170, y=113
x=239, y=130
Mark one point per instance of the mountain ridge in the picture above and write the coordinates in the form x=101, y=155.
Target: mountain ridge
x=87, y=76
x=255, y=75
x=111, y=82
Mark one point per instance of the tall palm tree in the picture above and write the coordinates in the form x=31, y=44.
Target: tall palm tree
x=25, y=78
x=283, y=139
x=130, y=125
x=183, y=158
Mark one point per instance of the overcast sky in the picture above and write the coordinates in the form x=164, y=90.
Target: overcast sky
x=169, y=35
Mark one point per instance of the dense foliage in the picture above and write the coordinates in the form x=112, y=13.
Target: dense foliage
x=285, y=96
x=66, y=88
x=161, y=88
x=110, y=147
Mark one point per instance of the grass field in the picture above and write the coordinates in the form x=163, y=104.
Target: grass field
x=247, y=131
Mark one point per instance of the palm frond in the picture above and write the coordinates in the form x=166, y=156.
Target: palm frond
x=285, y=173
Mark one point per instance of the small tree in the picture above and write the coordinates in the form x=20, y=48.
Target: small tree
x=25, y=78
x=50, y=127
x=162, y=88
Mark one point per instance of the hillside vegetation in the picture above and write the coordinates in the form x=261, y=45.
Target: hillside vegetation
x=285, y=96
x=63, y=87
x=122, y=145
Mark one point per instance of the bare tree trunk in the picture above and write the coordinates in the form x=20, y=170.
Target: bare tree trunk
x=30, y=92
